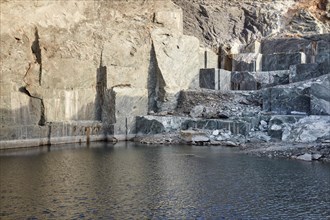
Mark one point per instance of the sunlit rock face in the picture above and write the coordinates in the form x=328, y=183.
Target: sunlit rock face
x=65, y=61
x=217, y=22
x=86, y=69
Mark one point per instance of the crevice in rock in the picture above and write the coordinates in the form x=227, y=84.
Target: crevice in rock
x=156, y=84
x=37, y=52
x=42, y=120
x=152, y=81
x=101, y=86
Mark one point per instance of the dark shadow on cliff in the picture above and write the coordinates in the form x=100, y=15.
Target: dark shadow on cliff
x=101, y=87
x=156, y=84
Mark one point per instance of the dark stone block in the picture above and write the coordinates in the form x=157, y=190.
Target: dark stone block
x=278, y=122
x=303, y=72
x=145, y=126
x=244, y=62
x=286, y=100
x=215, y=79
x=320, y=97
x=286, y=45
x=282, y=61
x=279, y=77
x=208, y=79
x=322, y=58
x=244, y=81
x=323, y=46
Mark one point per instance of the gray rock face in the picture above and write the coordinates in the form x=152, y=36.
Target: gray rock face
x=244, y=21
x=208, y=79
x=322, y=57
x=299, y=98
x=308, y=129
x=197, y=111
x=216, y=79
x=194, y=136
x=244, y=81
x=279, y=124
x=258, y=80
x=177, y=58
x=320, y=97
x=157, y=124
x=285, y=100
x=308, y=45
x=303, y=72
x=51, y=133
x=226, y=103
x=281, y=61
x=125, y=104
x=245, y=62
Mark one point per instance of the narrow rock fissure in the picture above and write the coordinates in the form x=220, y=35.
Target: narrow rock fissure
x=42, y=120
x=37, y=52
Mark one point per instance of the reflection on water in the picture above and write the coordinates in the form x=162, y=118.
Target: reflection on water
x=131, y=181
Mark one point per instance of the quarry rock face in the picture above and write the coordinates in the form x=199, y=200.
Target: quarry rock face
x=237, y=22
x=75, y=71
x=177, y=58
x=87, y=61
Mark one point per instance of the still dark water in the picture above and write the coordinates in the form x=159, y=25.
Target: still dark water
x=128, y=181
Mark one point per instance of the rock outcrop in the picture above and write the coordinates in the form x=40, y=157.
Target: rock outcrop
x=234, y=23
x=74, y=71
x=72, y=62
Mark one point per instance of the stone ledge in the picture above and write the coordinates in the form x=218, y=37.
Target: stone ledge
x=9, y=144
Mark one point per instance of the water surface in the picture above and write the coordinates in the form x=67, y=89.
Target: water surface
x=102, y=181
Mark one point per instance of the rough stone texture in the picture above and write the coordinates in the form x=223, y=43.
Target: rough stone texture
x=258, y=80
x=220, y=22
x=281, y=61
x=216, y=79
x=279, y=77
x=51, y=133
x=320, y=96
x=158, y=124
x=306, y=44
x=197, y=111
x=298, y=98
x=171, y=18
x=178, y=63
x=62, y=66
x=308, y=129
x=109, y=61
x=194, y=136
x=302, y=72
x=209, y=79
x=286, y=100
x=322, y=57
x=208, y=58
x=127, y=103
x=226, y=103
x=245, y=81
x=315, y=47
x=246, y=62
x=279, y=123
x=224, y=78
